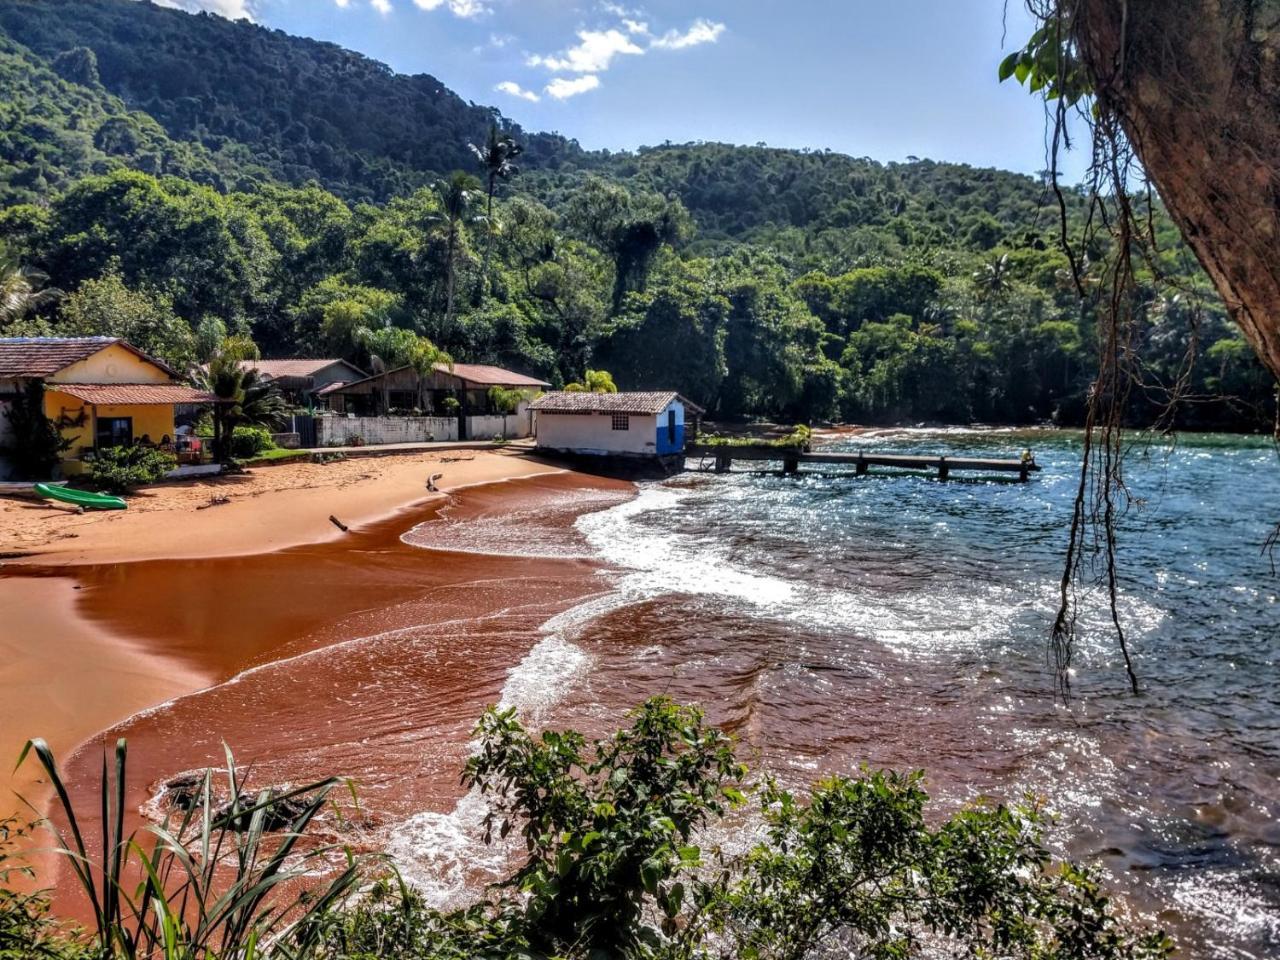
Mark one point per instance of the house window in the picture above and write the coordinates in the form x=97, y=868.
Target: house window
x=114, y=432
x=621, y=421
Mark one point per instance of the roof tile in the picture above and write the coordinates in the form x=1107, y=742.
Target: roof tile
x=638, y=403
x=142, y=394
x=43, y=356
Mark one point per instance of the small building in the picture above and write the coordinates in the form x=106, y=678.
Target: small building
x=403, y=392
x=614, y=424
x=306, y=383
x=98, y=391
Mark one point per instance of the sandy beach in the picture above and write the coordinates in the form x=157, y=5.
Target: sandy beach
x=269, y=508
x=84, y=649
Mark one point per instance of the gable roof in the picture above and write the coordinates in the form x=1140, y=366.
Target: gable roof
x=488, y=376
x=476, y=374
x=638, y=403
x=22, y=357
x=299, y=368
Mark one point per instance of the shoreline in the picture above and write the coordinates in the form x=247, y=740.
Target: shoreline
x=270, y=508
x=74, y=671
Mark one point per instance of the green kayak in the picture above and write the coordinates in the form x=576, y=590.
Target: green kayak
x=81, y=498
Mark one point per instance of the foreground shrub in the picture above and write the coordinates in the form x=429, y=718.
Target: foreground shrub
x=619, y=862
x=212, y=882
x=121, y=469
x=26, y=928
x=249, y=442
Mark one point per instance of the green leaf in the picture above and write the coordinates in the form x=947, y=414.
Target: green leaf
x=651, y=872
x=1008, y=65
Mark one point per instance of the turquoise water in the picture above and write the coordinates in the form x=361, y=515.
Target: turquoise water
x=832, y=621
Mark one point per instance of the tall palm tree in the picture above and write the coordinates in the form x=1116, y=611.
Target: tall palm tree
x=993, y=278
x=497, y=159
x=458, y=196
x=22, y=291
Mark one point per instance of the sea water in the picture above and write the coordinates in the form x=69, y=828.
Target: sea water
x=831, y=621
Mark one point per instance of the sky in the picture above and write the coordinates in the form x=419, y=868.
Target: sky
x=887, y=79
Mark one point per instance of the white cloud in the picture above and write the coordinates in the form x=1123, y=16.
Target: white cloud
x=514, y=89
x=382, y=6
x=638, y=27
x=466, y=9
x=562, y=88
x=593, y=54
x=231, y=9
x=702, y=31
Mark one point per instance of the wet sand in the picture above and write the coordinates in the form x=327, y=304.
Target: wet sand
x=144, y=650
x=88, y=639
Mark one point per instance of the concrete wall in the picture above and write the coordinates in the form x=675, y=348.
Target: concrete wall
x=594, y=433
x=515, y=426
x=336, y=431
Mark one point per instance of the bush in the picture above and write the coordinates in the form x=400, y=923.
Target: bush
x=121, y=469
x=249, y=442
x=619, y=864
x=36, y=446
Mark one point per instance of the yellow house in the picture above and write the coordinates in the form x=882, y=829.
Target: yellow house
x=99, y=392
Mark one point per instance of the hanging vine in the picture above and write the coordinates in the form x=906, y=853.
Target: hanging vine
x=1118, y=221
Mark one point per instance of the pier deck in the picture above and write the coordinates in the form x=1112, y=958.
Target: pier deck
x=861, y=461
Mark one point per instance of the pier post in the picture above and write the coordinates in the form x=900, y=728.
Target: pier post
x=862, y=466
x=722, y=463
x=790, y=465
x=944, y=471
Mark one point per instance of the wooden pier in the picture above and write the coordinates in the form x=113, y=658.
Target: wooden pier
x=944, y=466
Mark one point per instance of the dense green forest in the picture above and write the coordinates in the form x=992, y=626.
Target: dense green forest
x=176, y=175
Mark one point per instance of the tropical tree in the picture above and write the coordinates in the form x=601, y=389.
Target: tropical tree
x=107, y=306
x=245, y=398
x=458, y=196
x=423, y=357
x=595, y=381
x=992, y=278
x=497, y=160
x=22, y=292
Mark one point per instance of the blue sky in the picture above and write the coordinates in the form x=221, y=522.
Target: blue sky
x=886, y=79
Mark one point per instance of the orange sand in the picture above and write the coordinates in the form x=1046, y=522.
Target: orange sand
x=271, y=508
x=66, y=677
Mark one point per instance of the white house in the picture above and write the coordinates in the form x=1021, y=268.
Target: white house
x=613, y=424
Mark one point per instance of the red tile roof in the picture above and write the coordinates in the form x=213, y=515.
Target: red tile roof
x=42, y=356
x=638, y=403
x=30, y=357
x=136, y=394
x=487, y=376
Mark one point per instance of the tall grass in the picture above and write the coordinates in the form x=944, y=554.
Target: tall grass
x=212, y=879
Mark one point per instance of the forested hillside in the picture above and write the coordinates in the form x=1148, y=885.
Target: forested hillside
x=181, y=175
x=303, y=109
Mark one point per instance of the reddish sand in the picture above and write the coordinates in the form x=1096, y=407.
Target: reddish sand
x=270, y=508
x=89, y=639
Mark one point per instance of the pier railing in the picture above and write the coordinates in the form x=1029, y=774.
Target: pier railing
x=860, y=461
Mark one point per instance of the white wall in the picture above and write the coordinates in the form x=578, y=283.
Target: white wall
x=382, y=430
x=594, y=433
x=515, y=426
